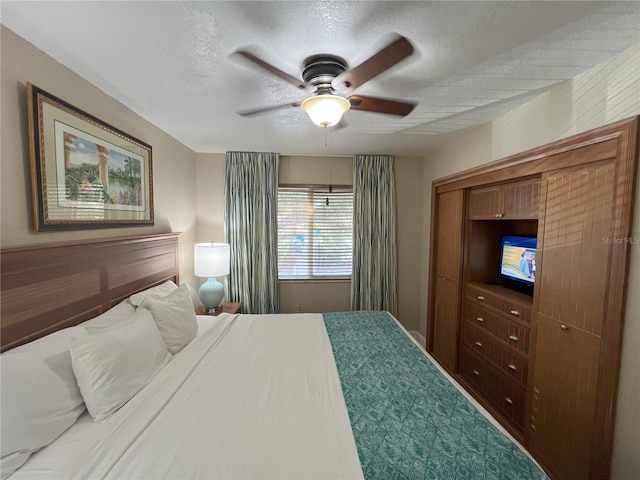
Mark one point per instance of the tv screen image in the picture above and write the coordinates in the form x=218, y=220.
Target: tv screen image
x=518, y=259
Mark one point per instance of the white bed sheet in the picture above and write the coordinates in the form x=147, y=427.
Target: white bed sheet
x=253, y=396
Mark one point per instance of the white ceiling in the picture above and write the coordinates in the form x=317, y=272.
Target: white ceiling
x=171, y=62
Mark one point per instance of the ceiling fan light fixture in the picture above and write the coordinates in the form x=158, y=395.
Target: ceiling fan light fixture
x=325, y=110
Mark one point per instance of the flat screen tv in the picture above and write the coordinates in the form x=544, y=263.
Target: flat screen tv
x=518, y=259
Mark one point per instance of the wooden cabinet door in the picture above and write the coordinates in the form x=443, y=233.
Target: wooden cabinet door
x=447, y=256
x=564, y=398
x=521, y=200
x=571, y=307
x=446, y=322
x=448, y=234
x=486, y=203
x=508, y=201
x=575, y=253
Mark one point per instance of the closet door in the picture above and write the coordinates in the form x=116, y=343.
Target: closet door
x=571, y=310
x=447, y=256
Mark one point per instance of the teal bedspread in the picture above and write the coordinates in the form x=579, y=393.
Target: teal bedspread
x=408, y=420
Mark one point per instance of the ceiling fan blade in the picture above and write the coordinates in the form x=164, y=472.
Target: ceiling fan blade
x=276, y=71
x=256, y=111
x=386, y=58
x=381, y=105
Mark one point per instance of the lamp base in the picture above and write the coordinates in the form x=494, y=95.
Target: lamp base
x=209, y=311
x=211, y=294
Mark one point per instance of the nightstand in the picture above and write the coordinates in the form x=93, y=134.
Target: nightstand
x=227, y=307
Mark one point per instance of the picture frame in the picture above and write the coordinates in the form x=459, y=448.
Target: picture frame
x=85, y=173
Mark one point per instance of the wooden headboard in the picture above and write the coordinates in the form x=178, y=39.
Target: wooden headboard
x=45, y=288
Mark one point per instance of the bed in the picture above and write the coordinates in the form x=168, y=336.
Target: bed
x=290, y=396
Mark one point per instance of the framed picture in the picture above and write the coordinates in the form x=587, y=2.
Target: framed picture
x=84, y=172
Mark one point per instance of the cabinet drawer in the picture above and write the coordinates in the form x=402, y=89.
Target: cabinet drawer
x=506, y=395
x=503, y=304
x=485, y=344
x=509, y=332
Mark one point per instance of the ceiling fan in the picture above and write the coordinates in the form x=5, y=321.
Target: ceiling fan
x=328, y=77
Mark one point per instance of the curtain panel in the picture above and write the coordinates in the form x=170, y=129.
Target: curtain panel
x=251, y=219
x=374, y=279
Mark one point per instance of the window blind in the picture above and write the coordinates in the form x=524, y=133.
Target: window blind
x=315, y=232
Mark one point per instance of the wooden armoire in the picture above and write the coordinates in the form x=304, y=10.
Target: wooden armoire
x=544, y=360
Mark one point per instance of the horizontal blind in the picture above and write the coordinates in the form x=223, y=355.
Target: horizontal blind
x=315, y=232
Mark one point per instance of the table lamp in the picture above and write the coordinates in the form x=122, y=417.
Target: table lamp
x=211, y=260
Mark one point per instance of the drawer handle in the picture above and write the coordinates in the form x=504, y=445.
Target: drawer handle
x=480, y=297
x=508, y=400
x=512, y=366
x=478, y=344
x=564, y=327
x=515, y=312
x=479, y=319
x=513, y=337
x=476, y=372
x=499, y=215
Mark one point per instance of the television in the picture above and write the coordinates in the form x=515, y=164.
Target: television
x=518, y=260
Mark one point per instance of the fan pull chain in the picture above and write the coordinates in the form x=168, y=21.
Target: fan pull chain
x=325, y=135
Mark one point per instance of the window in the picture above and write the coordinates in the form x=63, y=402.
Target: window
x=315, y=232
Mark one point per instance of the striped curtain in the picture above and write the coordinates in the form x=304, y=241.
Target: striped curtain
x=374, y=279
x=251, y=219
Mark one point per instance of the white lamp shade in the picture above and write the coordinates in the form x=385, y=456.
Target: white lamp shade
x=325, y=110
x=211, y=259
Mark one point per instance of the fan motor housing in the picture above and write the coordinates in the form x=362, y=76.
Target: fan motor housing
x=320, y=70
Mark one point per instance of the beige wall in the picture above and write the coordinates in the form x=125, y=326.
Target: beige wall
x=173, y=163
x=606, y=93
x=328, y=296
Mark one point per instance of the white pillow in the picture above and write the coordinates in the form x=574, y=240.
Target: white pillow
x=113, y=365
x=175, y=317
x=121, y=312
x=39, y=396
x=159, y=291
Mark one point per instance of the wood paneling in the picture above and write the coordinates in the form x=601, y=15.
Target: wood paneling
x=51, y=294
x=522, y=199
x=564, y=398
x=446, y=273
x=577, y=347
x=449, y=234
x=152, y=261
x=486, y=203
x=48, y=287
x=446, y=322
x=576, y=255
x=577, y=196
x=508, y=201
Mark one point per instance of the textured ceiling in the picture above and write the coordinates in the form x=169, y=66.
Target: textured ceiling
x=172, y=62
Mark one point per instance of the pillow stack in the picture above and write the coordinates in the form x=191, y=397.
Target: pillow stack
x=39, y=395
x=100, y=366
x=115, y=363
x=175, y=317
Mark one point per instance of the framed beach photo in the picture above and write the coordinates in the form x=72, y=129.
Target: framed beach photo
x=85, y=173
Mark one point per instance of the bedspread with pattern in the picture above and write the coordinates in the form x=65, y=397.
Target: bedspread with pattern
x=409, y=421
